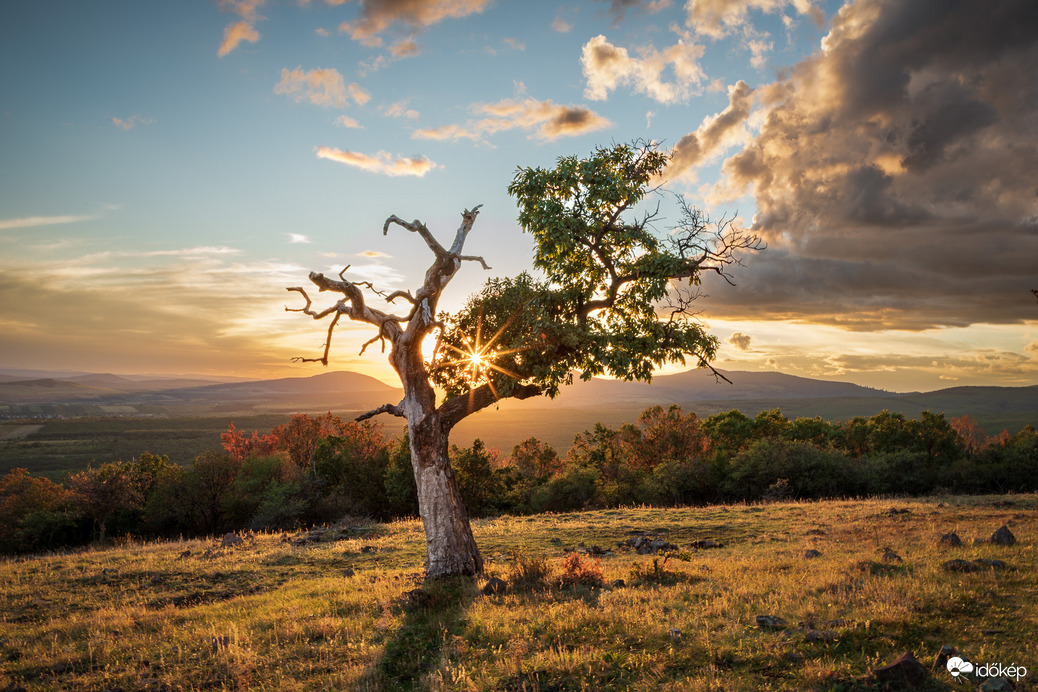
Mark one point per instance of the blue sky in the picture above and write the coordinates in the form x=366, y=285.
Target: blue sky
x=167, y=169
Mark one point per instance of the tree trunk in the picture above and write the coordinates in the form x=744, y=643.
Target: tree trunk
x=450, y=546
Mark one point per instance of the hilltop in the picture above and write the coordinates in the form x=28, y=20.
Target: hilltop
x=749, y=609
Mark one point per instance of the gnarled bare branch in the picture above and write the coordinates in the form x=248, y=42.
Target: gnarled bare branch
x=393, y=409
x=468, y=217
x=420, y=228
x=474, y=258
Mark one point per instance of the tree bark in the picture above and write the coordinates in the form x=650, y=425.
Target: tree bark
x=450, y=546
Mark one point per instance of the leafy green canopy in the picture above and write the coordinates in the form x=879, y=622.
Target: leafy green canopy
x=610, y=303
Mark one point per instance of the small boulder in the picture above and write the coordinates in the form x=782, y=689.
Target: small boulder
x=820, y=636
x=618, y=584
x=675, y=634
x=770, y=622
x=348, y=572
x=994, y=564
x=951, y=539
x=997, y=685
x=812, y=553
x=904, y=672
x=1003, y=536
x=960, y=566
x=494, y=586
x=230, y=540
x=940, y=662
x=891, y=557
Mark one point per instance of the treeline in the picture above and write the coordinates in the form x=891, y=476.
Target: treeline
x=318, y=469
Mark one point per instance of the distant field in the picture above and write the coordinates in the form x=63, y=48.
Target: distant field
x=56, y=447
x=345, y=614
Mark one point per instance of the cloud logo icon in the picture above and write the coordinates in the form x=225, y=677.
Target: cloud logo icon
x=957, y=666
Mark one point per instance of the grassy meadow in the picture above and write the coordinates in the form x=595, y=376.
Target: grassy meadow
x=353, y=614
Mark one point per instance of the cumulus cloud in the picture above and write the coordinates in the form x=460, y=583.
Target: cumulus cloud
x=400, y=110
x=298, y=238
x=243, y=30
x=715, y=132
x=375, y=16
x=607, y=67
x=719, y=18
x=561, y=25
x=544, y=119
x=382, y=162
x=618, y=8
x=894, y=172
x=322, y=86
x=740, y=341
x=346, y=121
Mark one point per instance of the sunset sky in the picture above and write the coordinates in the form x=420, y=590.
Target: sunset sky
x=168, y=169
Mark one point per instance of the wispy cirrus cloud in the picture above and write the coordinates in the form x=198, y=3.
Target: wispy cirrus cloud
x=33, y=221
x=607, y=66
x=320, y=86
x=382, y=163
x=543, y=119
x=132, y=122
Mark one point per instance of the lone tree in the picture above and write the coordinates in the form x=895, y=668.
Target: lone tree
x=615, y=299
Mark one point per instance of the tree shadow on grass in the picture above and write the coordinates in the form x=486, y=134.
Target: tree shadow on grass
x=433, y=613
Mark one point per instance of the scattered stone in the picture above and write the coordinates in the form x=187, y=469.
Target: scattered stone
x=368, y=549
x=770, y=622
x=348, y=572
x=994, y=564
x=618, y=584
x=940, y=662
x=839, y=622
x=675, y=634
x=951, y=539
x=960, y=566
x=595, y=551
x=705, y=544
x=157, y=579
x=890, y=556
x=820, y=636
x=230, y=540
x=904, y=672
x=815, y=532
x=1003, y=536
x=494, y=586
x=812, y=553
x=894, y=511
x=647, y=545
x=997, y=685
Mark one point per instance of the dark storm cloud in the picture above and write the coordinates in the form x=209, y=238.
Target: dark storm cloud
x=896, y=172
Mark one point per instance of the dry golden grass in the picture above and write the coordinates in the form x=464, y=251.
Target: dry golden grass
x=272, y=616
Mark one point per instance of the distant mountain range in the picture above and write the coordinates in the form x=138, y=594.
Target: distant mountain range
x=556, y=421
